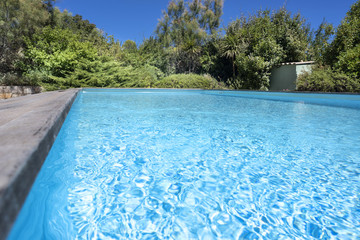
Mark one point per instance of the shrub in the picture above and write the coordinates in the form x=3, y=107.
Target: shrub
x=105, y=74
x=144, y=77
x=10, y=79
x=325, y=79
x=254, y=73
x=33, y=78
x=349, y=61
x=188, y=81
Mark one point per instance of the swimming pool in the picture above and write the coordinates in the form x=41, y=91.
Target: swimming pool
x=189, y=164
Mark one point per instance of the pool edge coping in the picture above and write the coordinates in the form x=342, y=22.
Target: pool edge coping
x=21, y=179
x=226, y=90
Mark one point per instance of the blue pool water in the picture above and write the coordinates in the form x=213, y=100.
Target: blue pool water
x=176, y=164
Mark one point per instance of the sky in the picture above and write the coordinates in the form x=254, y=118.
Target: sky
x=137, y=19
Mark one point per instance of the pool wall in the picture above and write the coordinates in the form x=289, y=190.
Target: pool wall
x=28, y=128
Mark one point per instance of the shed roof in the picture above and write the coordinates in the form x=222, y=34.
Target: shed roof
x=297, y=63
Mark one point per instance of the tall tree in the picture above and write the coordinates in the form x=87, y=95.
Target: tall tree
x=347, y=35
x=344, y=51
x=212, y=11
x=320, y=41
x=291, y=32
x=49, y=6
x=231, y=46
x=259, y=42
x=19, y=19
x=185, y=26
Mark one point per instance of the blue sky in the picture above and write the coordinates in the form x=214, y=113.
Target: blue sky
x=137, y=19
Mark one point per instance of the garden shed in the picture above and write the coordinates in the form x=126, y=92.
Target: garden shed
x=285, y=76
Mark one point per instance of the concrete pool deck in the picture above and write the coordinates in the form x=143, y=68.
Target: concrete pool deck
x=28, y=128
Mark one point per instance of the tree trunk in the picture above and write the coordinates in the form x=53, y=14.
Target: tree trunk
x=233, y=63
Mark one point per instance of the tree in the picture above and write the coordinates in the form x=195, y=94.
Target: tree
x=347, y=35
x=338, y=68
x=185, y=26
x=155, y=54
x=190, y=51
x=210, y=14
x=321, y=41
x=349, y=62
x=129, y=46
x=183, y=18
x=344, y=52
x=231, y=47
x=57, y=51
x=19, y=19
x=291, y=33
x=49, y=6
x=259, y=42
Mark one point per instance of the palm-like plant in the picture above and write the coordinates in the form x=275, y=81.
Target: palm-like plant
x=231, y=46
x=191, y=49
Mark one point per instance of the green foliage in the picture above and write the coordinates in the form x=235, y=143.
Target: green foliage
x=231, y=46
x=188, y=81
x=349, y=62
x=344, y=52
x=254, y=73
x=106, y=74
x=324, y=79
x=260, y=42
x=129, y=46
x=212, y=60
x=321, y=42
x=32, y=78
x=18, y=19
x=291, y=33
x=342, y=56
x=154, y=54
x=184, y=27
x=11, y=79
x=42, y=45
x=144, y=77
x=347, y=35
x=58, y=51
x=90, y=74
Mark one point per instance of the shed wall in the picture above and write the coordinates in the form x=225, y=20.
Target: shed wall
x=283, y=78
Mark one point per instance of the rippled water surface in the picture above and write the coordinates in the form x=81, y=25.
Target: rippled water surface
x=162, y=164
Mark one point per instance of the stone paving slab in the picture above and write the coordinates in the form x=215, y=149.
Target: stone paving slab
x=28, y=128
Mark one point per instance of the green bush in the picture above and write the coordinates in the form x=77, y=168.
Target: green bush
x=143, y=77
x=105, y=74
x=349, y=62
x=188, y=81
x=254, y=73
x=325, y=79
x=10, y=79
x=58, y=51
x=33, y=78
